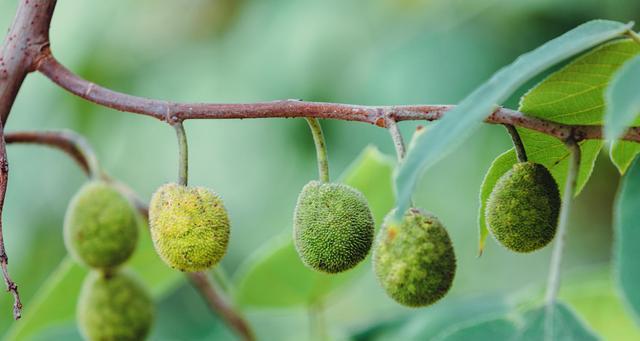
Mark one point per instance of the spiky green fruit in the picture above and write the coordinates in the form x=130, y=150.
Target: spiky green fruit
x=414, y=258
x=114, y=307
x=189, y=227
x=100, y=228
x=523, y=208
x=333, y=227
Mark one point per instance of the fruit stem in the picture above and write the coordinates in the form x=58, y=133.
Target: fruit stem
x=553, y=283
x=521, y=153
x=183, y=154
x=634, y=36
x=396, y=136
x=317, y=323
x=321, y=148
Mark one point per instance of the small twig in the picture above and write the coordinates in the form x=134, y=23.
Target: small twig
x=183, y=154
x=553, y=282
x=12, y=287
x=218, y=304
x=521, y=153
x=321, y=149
x=67, y=141
x=396, y=136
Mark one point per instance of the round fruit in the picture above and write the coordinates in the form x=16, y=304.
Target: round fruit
x=414, y=259
x=100, y=228
x=189, y=227
x=522, y=210
x=333, y=227
x=114, y=308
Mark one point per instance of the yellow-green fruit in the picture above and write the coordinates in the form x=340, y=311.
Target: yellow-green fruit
x=522, y=210
x=414, y=258
x=100, y=228
x=189, y=227
x=333, y=227
x=114, y=308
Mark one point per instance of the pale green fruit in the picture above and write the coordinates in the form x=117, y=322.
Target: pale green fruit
x=100, y=228
x=414, y=259
x=189, y=227
x=114, y=308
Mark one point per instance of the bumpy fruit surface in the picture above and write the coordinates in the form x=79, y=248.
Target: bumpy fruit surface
x=114, y=308
x=414, y=259
x=522, y=210
x=189, y=227
x=333, y=227
x=100, y=228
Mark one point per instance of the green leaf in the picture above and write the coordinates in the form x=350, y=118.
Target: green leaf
x=552, y=153
x=500, y=165
x=557, y=322
x=623, y=99
x=495, y=329
x=627, y=237
x=55, y=302
x=594, y=296
x=276, y=267
x=576, y=93
x=427, y=324
x=459, y=123
x=622, y=154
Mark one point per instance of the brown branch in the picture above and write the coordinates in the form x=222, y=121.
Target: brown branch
x=4, y=260
x=67, y=141
x=217, y=303
x=177, y=112
x=27, y=38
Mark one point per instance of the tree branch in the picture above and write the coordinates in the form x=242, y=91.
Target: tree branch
x=27, y=38
x=175, y=112
x=69, y=142
x=217, y=303
x=4, y=260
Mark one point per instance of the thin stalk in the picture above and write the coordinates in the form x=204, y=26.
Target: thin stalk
x=317, y=323
x=398, y=141
x=521, y=153
x=321, y=148
x=183, y=154
x=633, y=35
x=553, y=282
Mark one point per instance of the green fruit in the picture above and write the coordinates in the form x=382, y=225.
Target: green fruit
x=100, y=228
x=414, y=258
x=189, y=227
x=522, y=210
x=333, y=227
x=114, y=308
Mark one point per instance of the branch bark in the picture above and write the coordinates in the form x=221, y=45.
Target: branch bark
x=12, y=287
x=379, y=115
x=23, y=45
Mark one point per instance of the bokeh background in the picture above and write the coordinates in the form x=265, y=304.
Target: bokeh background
x=372, y=52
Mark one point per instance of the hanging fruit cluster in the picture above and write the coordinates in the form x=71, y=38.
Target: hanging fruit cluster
x=101, y=232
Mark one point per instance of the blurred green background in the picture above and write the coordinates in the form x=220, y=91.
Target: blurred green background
x=373, y=52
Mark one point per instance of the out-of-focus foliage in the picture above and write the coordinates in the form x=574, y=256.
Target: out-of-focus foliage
x=362, y=51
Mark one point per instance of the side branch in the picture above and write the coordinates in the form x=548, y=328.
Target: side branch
x=4, y=260
x=67, y=141
x=175, y=112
